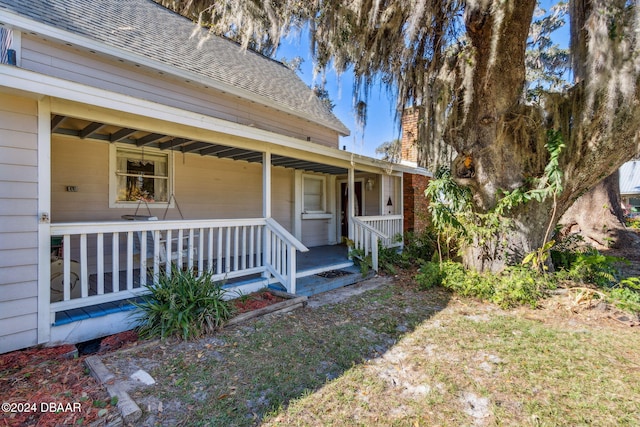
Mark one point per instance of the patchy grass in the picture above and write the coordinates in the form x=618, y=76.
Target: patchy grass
x=478, y=365
x=397, y=356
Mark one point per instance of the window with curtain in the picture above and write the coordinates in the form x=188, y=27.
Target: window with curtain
x=142, y=175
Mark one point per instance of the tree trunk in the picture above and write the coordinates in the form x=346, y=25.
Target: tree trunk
x=598, y=216
x=502, y=140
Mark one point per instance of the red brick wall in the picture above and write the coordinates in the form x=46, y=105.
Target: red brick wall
x=415, y=204
x=409, y=137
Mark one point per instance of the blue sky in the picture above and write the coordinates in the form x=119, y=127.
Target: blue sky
x=381, y=126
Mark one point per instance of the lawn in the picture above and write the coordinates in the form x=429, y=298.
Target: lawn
x=398, y=356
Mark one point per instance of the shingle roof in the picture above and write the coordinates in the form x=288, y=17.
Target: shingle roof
x=630, y=178
x=147, y=29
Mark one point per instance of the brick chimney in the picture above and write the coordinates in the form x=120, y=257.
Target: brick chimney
x=415, y=204
x=409, y=139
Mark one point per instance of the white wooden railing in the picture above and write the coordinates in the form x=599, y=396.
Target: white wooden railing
x=389, y=225
x=116, y=260
x=369, y=231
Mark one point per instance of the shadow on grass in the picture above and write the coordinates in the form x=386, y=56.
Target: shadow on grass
x=238, y=376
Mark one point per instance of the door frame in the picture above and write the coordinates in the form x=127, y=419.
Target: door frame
x=341, y=209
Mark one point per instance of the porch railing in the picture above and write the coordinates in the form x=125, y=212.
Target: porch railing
x=110, y=261
x=368, y=231
x=389, y=225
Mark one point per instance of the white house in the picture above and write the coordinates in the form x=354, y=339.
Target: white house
x=116, y=109
x=630, y=185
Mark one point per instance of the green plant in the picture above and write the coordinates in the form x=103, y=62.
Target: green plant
x=519, y=286
x=183, y=304
x=626, y=294
x=633, y=222
x=364, y=262
x=429, y=275
x=591, y=266
x=466, y=282
x=458, y=222
x=513, y=286
x=538, y=258
x=418, y=246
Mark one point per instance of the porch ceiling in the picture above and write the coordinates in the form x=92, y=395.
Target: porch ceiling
x=84, y=129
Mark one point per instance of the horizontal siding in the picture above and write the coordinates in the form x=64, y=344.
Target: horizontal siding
x=205, y=187
x=18, y=139
x=16, y=257
x=315, y=232
x=71, y=64
x=11, y=241
x=19, y=291
x=19, y=274
x=16, y=341
x=10, y=309
x=27, y=173
x=18, y=222
x=17, y=190
x=14, y=207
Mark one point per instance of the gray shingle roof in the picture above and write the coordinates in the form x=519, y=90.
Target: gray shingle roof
x=147, y=29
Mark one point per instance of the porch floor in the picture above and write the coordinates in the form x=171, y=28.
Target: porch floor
x=312, y=268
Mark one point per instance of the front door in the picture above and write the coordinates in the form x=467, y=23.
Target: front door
x=344, y=205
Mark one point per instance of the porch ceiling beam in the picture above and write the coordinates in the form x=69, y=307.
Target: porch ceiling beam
x=215, y=150
x=56, y=121
x=233, y=153
x=121, y=134
x=172, y=143
x=90, y=129
x=282, y=161
x=249, y=156
x=149, y=139
x=295, y=165
x=74, y=132
x=194, y=146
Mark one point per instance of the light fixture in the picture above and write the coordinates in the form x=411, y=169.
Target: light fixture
x=369, y=184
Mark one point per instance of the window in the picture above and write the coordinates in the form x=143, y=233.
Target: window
x=141, y=175
x=314, y=194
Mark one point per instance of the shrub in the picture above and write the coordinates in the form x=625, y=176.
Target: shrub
x=626, y=294
x=519, y=286
x=514, y=286
x=429, y=275
x=591, y=266
x=419, y=245
x=183, y=304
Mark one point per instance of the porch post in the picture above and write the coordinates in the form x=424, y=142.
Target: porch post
x=44, y=214
x=383, y=190
x=351, y=198
x=266, y=211
x=266, y=184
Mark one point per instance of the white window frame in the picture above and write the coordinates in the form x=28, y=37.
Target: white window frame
x=323, y=201
x=113, y=178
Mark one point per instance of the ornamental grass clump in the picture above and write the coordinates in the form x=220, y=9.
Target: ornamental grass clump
x=183, y=304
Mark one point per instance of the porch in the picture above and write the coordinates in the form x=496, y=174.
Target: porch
x=104, y=266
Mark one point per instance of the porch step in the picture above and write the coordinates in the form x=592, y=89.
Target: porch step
x=324, y=268
x=315, y=284
x=332, y=279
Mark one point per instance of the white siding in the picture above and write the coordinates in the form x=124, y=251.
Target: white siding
x=70, y=64
x=315, y=232
x=205, y=187
x=18, y=222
